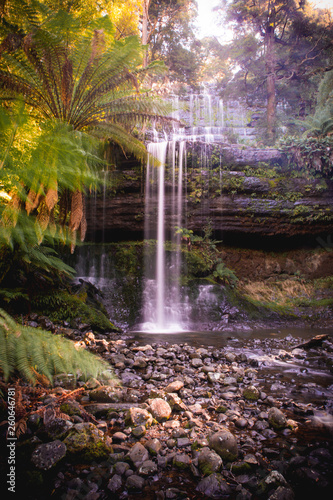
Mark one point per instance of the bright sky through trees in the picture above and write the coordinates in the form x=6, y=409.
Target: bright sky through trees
x=208, y=19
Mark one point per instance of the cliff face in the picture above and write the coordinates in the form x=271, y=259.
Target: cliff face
x=248, y=202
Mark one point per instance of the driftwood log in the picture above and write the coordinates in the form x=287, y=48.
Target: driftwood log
x=314, y=342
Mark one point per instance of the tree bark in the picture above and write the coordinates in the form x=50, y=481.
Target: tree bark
x=271, y=77
x=145, y=8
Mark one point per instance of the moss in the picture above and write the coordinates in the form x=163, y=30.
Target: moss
x=207, y=469
x=34, y=480
x=221, y=409
x=240, y=468
x=70, y=408
x=62, y=306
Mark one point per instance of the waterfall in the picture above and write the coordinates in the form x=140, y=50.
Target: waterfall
x=163, y=307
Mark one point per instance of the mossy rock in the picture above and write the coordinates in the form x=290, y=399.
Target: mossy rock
x=87, y=442
x=251, y=393
x=62, y=306
x=71, y=408
x=240, y=468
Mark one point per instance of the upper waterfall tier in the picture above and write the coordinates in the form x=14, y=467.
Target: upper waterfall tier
x=206, y=117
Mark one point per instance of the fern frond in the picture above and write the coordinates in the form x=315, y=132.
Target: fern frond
x=36, y=352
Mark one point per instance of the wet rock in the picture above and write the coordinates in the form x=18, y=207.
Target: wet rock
x=119, y=437
x=71, y=408
x=175, y=402
x=209, y=461
x=115, y=483
x=138, y=416
x=214, y=486
x=139, y=431
x=183, y=442
x=196, y=362
x=225, y=444
x=57, y=427
x=276, y=418
x=174, y=386
x=273, y=480
x=213, y=377
x=88, y=442
x=106, y=394
x=138, y=454
x=47, y=455
x=282, y=493
x=160, y=409
x=120, y=468
x=240, y=468
x=147, y=468
x=153, y=446
x=251, y=393
x=135, y=483
x=241, y=423
x=181, y=461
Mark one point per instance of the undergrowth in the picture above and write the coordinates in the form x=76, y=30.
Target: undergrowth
x=35, y=354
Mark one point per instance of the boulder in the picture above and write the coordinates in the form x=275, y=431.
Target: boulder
x=138, y=454
x=48, y=454
x=88, y=442
x=251, y=393
x=138, y=416
x=160, y=409
x=209, y=461
x=214, y=486
x=225, y=445
x=276, y=418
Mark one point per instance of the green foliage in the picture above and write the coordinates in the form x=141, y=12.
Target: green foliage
x=62, y=306
x=34, y=353
x=310, y=154
x=225, y=275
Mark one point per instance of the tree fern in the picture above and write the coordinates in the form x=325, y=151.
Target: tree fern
x=81, y=83
x=32, y=352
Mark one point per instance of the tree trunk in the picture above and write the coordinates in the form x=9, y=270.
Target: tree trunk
x=270, y=71
x=145, y=8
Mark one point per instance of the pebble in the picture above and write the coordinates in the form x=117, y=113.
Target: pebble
x=206, y=411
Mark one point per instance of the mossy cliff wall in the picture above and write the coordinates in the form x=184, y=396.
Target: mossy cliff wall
x=242, y=192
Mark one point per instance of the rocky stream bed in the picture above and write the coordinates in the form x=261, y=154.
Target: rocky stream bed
x=251, y=419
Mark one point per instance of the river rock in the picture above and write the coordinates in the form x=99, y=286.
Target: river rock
x=139, y=431
x=209, y=461
x=160, y=409
x=196, y=362
x=88, y=442
x=282, y=493
x=153, y=446
x=181, y=461
x=273, y=480
x=276, y=418
x=115, y=483
x=251, y=393
x=138, y=454
x=120, y=468
x=135, y=483
x=225, y=444
x=175, y=402
x=214, y=486
x=147, y=468
x=48, y=454
x=174, y=386
x=138, y=416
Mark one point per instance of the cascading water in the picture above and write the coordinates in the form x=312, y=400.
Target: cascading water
x=166, y=305
x=163, y=306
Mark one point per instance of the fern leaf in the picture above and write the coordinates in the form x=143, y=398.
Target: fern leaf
x=76, y=211
x=51, y=198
